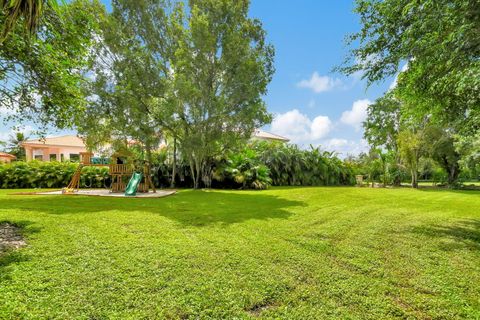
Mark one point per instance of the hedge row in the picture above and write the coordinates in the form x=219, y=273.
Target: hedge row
x=37, y=174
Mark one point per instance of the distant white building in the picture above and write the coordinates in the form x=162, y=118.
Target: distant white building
x=267, y=136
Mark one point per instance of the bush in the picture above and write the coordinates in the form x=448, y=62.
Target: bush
x=37, y=174
x=242, y=169
x=292, y=166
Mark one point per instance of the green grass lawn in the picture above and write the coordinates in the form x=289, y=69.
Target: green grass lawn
x=290, y=253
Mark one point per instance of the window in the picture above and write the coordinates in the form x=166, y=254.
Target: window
x=53, y=157
x=74, y=157
x=38, y=157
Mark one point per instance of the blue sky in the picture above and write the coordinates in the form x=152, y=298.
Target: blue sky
x=311, y=104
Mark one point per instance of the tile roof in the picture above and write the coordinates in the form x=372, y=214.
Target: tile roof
x=7, y=155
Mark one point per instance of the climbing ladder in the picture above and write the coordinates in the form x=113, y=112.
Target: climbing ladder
x=74, y=184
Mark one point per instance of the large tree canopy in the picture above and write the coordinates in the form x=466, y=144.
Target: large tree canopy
x=130, y=73
x=41, y=77
x=440, y=41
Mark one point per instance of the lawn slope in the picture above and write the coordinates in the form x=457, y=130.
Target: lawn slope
x=292, y=253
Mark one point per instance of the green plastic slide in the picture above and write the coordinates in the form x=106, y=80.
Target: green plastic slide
x=132, y=186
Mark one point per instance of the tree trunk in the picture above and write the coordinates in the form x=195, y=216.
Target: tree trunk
x=207, y=176
x=414, y=179
x=198, y=170
x=398, y=179
x=174, y=166
x=453, y=173
x=192, y=170
x=148, y=151
x=384, y=175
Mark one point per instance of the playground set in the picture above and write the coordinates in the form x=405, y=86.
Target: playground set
x=119, y=171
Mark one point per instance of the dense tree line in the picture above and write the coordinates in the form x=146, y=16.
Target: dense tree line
x=433, y=49
x=256, y=165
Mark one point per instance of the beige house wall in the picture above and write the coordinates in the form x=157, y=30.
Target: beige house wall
x=44, y=151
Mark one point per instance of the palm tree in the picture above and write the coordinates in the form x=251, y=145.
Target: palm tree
x=14, y=145
x=29, y=12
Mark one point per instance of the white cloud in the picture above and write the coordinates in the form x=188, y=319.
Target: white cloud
x=5, y=112
x=344, y=147
x=335, y=143
x=319, y=83
x=299, y=128
x=320, y=127
x=357, y=114
x=7, y=109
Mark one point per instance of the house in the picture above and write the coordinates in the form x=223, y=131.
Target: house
x=55, y=148
x=267, y=136
x=6, y=157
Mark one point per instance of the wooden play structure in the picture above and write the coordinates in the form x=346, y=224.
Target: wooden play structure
x=119, y=172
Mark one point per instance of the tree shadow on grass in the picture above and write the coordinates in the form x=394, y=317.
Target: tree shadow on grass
x=190, y=208
x=11, y=255
x=462, y=234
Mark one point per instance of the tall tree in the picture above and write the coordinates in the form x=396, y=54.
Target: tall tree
x=130, y=70
x=221, y=70
x=411, y=145
x=381, y=131
x=383, y=122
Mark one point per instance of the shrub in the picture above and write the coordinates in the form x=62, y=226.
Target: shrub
x=291, y=166
x=37, y=174
x=243, y=169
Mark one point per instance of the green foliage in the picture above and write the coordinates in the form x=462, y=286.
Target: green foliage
x=469, y=149
x=383, y=122
x=379, y=165
x=411, y=145
x=194, y=74
x=130, y=70
x=439, y=41
x=440, y=147
x=38, y=174
x=244, y=168
x=292, y=166
x=41, y=77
